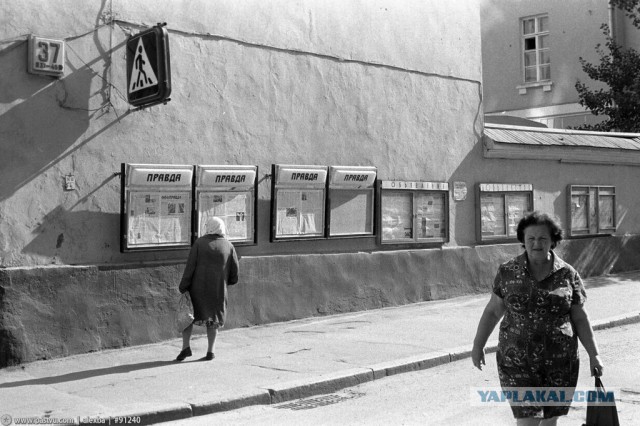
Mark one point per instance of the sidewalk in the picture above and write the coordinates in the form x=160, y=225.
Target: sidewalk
x=272, y=363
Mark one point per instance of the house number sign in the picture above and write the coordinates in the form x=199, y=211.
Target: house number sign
x=46, y=56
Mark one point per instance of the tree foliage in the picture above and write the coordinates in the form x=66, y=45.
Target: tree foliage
x=619, y=69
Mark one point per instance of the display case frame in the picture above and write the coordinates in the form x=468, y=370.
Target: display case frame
x=224, y=187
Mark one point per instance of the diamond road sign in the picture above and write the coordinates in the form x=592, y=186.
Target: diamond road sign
x=148, y=67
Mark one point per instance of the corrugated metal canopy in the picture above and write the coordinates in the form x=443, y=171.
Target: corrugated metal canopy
x=558, y=137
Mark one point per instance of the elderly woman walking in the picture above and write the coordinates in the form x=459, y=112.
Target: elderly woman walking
x=542, y=300
x=212, y=266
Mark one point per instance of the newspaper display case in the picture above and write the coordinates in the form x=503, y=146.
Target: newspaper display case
x=298, y=202
x=592, y=210
x=351, y=194
x=414, y=212
x=156, y=203
x=228, y=192
x=499, y=208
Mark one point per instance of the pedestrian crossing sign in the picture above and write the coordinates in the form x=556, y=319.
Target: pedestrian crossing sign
x=142, y=74
x=148, y=67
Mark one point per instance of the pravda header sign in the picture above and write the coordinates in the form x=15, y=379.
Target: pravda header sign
x=148, y=67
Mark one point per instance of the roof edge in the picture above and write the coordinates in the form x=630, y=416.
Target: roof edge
x=561, y=131
x=564, y=154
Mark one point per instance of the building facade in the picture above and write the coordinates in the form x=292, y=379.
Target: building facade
x=342, y=141
x=531, y=53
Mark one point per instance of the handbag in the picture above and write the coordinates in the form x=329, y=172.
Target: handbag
x=184, y=315
x=597, y=413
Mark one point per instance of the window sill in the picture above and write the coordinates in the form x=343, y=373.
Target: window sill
x=546, y=86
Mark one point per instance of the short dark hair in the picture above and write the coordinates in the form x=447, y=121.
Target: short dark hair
x=538, y=218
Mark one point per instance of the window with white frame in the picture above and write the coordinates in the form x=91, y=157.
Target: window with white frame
x=535, y=48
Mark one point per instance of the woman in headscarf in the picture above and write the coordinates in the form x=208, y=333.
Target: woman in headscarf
x=212, y=266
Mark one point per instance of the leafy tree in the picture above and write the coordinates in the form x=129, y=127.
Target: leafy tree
x=619, y=69
x=631, y=9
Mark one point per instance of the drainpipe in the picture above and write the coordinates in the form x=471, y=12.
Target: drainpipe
x=612, y=22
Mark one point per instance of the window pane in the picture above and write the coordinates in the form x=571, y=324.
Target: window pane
x=528, y=26
x=545, y=57
x=234, y=208
x=579, y=212
x=351, y=211
x=543, y=42
x=492, y=214
x=431, y=215
x=530, y=43
x=593, y=213
x=545, y=72
x=397, y=216
x=606, y=191
x=530, y=74
x=300, y=213
x=529, y=59
x=517, y=205
x=543, y=24
x=605, y=212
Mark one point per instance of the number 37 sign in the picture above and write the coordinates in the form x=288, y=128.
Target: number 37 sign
x=46, y=56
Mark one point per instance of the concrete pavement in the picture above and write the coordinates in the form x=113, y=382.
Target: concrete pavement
x=269, y=364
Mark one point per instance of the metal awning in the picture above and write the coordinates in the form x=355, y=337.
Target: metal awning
x=576, y=146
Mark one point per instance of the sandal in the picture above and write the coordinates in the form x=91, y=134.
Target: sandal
x=209, y=356
x=183, y=354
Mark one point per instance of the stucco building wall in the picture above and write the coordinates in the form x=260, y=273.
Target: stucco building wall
x=253, y=83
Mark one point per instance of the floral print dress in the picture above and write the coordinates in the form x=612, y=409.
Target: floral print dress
x=538, y=346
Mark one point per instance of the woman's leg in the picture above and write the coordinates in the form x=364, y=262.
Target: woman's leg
x=186, y=336
x=212, y=332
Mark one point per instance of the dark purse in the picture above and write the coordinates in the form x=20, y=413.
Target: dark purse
x=599, y=414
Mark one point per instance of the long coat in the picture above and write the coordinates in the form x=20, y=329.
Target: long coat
x=211, y=266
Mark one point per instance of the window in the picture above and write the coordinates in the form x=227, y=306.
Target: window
x=414, y=212
x=500, y=208
x=592, y=209
x=535, y=47
x=351, y=198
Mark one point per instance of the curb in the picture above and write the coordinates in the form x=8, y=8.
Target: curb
x=617, y=321
x=320, y=385
x=333, y=382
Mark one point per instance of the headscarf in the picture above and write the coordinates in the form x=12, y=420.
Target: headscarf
x=216, y=226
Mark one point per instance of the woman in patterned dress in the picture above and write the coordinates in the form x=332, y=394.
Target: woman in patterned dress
x=542, y=300
x=212, y=266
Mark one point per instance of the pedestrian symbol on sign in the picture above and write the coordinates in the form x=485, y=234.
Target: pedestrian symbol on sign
x=142, y=75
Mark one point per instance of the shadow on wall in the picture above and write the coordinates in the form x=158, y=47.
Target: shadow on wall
x=74, y=237
x=37, y=130
x=602, y=255
x=49, y=115
x=468, y=171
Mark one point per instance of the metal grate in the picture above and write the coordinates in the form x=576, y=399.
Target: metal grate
x=319, y=401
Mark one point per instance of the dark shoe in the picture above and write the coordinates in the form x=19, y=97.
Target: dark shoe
x=209, y=356
x=183, y=354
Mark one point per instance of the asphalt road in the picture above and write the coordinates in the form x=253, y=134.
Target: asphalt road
x=441, y=395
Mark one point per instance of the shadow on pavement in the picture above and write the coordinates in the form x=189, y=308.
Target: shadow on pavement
x=602, y=281
x=80, y=375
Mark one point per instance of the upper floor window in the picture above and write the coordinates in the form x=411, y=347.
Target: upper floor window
x=535, y=48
